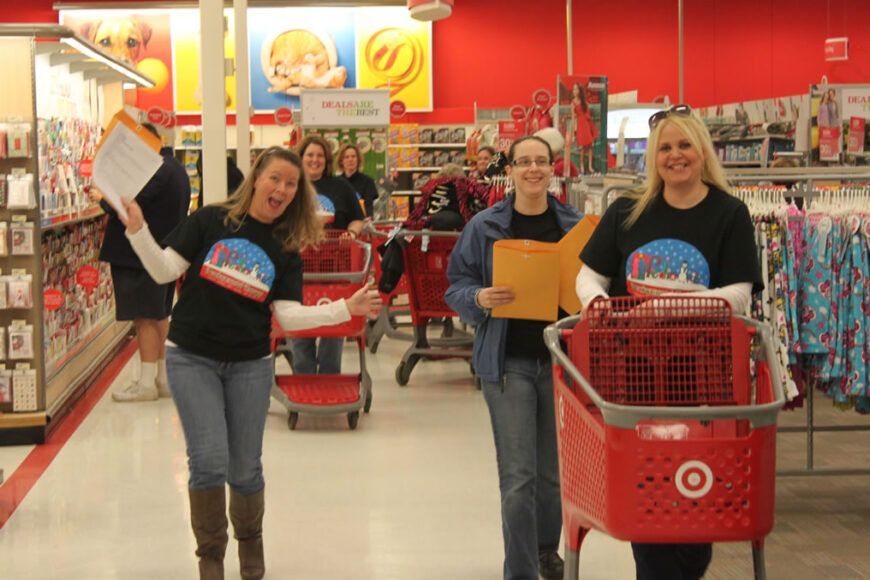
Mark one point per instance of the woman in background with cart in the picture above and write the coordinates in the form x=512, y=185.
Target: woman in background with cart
x=338, y=203
x=350, y=162
x=241, y=263
x=682, y=232
x=513, y=362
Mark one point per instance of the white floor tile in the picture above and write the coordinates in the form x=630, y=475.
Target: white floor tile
x=411, y=494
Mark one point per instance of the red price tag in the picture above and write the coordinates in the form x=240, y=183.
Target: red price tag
x=86, y=167
x=52, y=299
x=88, y=277
x=397, y=108
x=518, y=113
x=283, y=116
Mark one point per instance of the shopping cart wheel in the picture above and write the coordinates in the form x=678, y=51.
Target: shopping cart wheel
x=353, y=419
x=291, y=421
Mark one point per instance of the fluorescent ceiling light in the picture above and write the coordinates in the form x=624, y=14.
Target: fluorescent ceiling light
x=126, y=71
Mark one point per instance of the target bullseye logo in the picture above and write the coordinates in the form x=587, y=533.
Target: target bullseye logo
x=323, y=300
x=694, y=479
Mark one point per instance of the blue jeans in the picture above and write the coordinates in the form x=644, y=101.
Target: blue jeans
x=524, y=428
x=222, y=407
x=311, y=359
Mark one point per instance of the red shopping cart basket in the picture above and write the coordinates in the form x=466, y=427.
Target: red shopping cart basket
x=335, y=269
x=386, y=325
x=665, y=432
x=426, y=256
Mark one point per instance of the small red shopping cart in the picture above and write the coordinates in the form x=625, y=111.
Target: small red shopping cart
x=666, y=424
x=335, y=269
x=386, y=325
x=426, y=256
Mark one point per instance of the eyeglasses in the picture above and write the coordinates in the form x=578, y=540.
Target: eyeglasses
x=678, y=110
x=526, y=162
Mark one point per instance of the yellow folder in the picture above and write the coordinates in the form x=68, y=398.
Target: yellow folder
x=542, y=274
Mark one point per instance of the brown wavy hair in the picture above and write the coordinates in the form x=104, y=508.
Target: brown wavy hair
x=315, y=139
x=298, y=227
x=339, y=164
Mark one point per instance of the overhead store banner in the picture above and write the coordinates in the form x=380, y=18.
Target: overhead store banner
x=291, y=49
x=143, y=39
x=358, y=108
x=395, y=53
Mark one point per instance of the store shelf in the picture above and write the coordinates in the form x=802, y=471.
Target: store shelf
x=727, y=163
x=426, y=145
x=752, y=138
x=69, y=218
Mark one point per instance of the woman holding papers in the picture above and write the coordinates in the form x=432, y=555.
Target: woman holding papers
x=241, y=263
x=681, y=232
x=513, y=363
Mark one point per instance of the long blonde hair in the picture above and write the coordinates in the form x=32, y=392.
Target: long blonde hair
x=298, y=227
x=698, y=135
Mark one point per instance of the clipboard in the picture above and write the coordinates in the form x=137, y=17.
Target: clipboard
x=542, y=274
x=127, y=156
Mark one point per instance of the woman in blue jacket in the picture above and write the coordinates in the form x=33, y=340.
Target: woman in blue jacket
x=513, y=362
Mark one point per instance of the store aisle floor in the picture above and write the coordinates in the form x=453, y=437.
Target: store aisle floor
x=411, y=494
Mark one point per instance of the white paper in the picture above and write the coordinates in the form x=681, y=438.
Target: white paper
x=123, y=166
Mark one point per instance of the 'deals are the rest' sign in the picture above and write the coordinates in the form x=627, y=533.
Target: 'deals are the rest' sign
x=345, y=108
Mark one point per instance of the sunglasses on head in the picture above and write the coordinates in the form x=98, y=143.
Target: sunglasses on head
x=678, y=110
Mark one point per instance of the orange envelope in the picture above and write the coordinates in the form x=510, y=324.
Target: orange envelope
x=570, y=263
x=542, y=274
x=532, y=269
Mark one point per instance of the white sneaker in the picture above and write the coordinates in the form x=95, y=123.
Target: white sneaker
x=136, y=392
x=163, y=389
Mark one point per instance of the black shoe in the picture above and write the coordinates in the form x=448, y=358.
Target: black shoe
x=551, y=566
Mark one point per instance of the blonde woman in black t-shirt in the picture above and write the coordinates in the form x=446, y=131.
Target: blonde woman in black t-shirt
x=240, y=261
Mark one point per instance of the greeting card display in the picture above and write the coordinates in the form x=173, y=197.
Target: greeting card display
x=4, y=239
x=22, y=239
x=20, y=192
x=20, y=291
x=5, y=385
x=20, y=342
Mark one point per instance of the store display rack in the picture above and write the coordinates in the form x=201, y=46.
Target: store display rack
x=56, y=299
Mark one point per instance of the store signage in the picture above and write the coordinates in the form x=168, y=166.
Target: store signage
x=52, y=299
x=542, y=98
x=157, y=115
x=283, y=116
x=856, y=135
x=88, y=277
x=327, y=108
x=397, y=108
x=829, y=143
x=171, y=120
x=508, y=132
x=86, y=167
x=518, y=113
x=837, y=48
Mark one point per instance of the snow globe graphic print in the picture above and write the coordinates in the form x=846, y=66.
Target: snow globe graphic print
x=241, y=267
x=666, y=265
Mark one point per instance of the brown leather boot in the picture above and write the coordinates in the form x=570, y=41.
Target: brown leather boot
x=246, y=513
x=208, y=518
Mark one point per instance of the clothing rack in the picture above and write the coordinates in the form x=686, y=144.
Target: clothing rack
x=811, y=428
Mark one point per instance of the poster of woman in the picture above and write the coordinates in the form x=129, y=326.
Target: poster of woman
x=582, y=119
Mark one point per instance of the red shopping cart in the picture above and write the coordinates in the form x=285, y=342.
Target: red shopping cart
x=426, y=256
x=335, y=269
x=666, y=429
x=385, y=324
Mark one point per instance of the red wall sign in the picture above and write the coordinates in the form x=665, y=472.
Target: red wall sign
x=518, y=113
x=283, y=116
x=837, y=48
x=542, y=98
x=397, y=108
x=156, y=115
x=52, y=299
x=86, y=167
x=88, y=277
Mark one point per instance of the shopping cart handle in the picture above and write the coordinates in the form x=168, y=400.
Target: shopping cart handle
x=628, y=416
